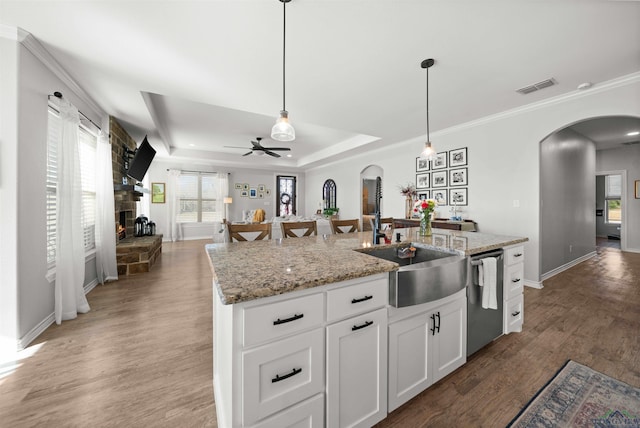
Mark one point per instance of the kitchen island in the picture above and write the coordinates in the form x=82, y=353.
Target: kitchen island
x=301, y=328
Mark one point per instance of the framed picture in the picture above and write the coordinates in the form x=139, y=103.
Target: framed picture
x=260, y=195
x=253, y=192
x=637, y=189
x=457, y=157
x=267, y=192
x=422, y=181
x=459, y=242
x=439, y=240
x=244, y=193
x=458, y=196
x=245, y=186
x=458, y=177
x=439, y=179
x=157, y=193
x=261, y=187
x=439, y=161
x=423, y=194
x=238, y=186
x=422, y=164
x=440, y=196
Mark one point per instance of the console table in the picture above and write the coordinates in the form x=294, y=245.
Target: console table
x=438, y=223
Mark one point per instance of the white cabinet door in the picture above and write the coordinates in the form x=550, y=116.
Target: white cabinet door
x=409, y=349
x=357, y=370
x=450, y=338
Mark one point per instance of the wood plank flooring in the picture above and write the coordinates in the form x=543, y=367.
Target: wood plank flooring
x=143, y=356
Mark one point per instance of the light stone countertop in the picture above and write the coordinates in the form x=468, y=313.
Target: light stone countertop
x=244, y=271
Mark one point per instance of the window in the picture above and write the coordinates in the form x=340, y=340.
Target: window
x=199, y=198
x=612, y=199
x=285, y=195
x=87, y=141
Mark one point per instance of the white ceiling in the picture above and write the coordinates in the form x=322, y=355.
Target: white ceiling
x=200, y=75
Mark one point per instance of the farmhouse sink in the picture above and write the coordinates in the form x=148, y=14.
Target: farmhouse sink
x=425, y=275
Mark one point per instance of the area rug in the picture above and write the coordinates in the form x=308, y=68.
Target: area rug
x=578, y=396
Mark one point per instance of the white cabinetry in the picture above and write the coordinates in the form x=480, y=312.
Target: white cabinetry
x=513, y=289
x=426, y=343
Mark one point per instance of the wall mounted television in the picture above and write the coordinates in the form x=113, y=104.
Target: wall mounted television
x=141, y=160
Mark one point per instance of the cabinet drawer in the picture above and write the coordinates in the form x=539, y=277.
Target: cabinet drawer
x=280, y=374
x=356, y=299
x=513, y=281
x=514, y=255
x=308, y=414
x=273, y=320
x=514, y=314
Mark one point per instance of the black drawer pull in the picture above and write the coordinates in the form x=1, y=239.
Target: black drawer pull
x=433, y=330
x=364, y=299
x=358, y=327
x=293, y=318
x=515, y=314
x=517, y=255
x=438, y=326
x=515, y=280
x=278, y=378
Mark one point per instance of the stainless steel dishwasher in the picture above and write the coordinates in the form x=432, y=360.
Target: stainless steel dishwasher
x=483, y=325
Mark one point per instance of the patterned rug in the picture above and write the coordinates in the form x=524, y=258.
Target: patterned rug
x=578, y=396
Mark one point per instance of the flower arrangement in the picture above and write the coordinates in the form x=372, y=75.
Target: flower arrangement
x=408, y=191
x=424, y=207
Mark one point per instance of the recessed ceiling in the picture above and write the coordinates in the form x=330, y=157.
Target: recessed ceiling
x=609, y=132
x=199, y=75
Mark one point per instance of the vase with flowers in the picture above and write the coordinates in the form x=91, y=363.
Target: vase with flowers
x=409, y=192
x=424, y=208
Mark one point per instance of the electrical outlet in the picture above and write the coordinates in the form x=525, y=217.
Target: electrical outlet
x=516, y=203
x=570, y=248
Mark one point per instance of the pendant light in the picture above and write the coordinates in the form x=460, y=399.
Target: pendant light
x=428, y=152
x=282, y=130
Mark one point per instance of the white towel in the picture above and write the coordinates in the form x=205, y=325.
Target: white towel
x=489, y=281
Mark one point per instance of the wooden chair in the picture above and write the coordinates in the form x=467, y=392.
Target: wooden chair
x=353, y=225
x=383, y=222
x=236, y=231
x=308, y=227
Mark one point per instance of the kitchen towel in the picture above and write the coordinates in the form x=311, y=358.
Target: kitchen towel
x=489, y=278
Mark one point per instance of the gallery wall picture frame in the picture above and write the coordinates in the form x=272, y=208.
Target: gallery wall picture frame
x=440, y=196
x=637, y=188
x=458, y=196
x=245, y=186
x=460, y=243
x=457, y=157
x=423, y=194
x=244, y=193
x=260, y=195
x=439, y=179
x=261, y=187
x=422, y=164
x=158, y=193
x=439, y=161
x=440, y=240
x=423, y=181
x=458, y=177
x=253, y=193
x=238, y=186
x=267, y=192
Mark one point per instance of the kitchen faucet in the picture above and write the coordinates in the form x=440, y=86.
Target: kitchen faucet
x=377, y=234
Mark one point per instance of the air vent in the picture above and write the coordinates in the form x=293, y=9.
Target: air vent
x=536, y=86
x=631, y=143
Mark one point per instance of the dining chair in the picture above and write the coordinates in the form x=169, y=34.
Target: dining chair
x=238, y=231
x=383, y=221
x=352, y=224
x=304, y=228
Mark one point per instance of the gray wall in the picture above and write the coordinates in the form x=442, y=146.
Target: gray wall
x=625, y=158
x=567, y=183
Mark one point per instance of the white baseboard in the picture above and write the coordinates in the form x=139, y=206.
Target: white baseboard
x=566, y=266
x=533, y=284
x=632, y=250
x=36, y=331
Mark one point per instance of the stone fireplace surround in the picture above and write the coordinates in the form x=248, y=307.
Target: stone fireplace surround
x=133, y=255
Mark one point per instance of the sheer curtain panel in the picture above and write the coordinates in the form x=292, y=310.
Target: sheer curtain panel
x=173, y=205
x=69, y=292
x=106, y=265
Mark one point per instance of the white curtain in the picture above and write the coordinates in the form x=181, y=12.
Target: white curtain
x=106, y=265
x=173, y=205
x=69, y=291
x=223, y=191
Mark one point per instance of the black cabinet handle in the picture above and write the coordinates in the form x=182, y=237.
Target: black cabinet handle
x=358, y=327
x=515, y=280
x=517, y=255
x=293, y=318
x=364, y=299
x=278, y=378
x=515, y=314
x=438, y=327
x=433, y=330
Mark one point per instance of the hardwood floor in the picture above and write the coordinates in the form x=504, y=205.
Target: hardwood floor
x=143, y=356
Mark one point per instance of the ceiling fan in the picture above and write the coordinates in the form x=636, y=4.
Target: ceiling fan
x=259, y=149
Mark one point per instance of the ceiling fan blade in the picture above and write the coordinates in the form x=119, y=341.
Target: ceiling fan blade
x=278, y=148
x=236, y=147
x=270, y=153
x=248, y=153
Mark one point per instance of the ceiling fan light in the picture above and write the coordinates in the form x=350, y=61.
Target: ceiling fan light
x=282, y=130
x=427, y=152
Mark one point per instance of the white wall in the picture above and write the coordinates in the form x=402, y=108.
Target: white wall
x=504, y=163
x=626, y=158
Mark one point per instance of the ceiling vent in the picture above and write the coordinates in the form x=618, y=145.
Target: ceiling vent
x=537, y=86
x=631, y=143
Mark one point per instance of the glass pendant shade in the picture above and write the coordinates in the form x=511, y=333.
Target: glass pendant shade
x=282, y=130
x=427, y=152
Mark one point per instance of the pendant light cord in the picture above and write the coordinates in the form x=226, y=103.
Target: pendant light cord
x=428, y=140
x=284, y=41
